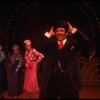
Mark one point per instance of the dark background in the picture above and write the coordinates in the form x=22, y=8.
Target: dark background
x=20, y=20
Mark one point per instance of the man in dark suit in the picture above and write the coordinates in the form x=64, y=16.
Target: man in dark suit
x=61, y=73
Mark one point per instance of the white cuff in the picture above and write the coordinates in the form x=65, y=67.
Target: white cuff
x=47, y=35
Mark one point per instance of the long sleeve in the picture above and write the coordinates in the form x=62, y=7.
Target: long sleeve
x=20, y=64
x=45, y=41
x=27, y=60
x=83, y=36
x=2, y=56
x=39, y=55
x=82, y=42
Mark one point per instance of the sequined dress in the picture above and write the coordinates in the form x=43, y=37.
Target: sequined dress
x=15, y=74
x=32, y=58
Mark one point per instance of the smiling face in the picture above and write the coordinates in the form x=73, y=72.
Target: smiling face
x=60, y=33
x=27, y=46
x=16, y=51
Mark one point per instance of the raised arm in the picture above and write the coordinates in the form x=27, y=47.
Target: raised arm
x=39, y=55
x=74, y=30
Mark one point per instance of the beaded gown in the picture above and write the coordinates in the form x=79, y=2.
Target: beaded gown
x=32, y=58
x=3, y=75
x=15, y=74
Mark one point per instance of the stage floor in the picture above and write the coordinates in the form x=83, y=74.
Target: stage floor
x=87, y=92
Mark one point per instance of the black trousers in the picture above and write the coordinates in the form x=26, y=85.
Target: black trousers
x=60, y=87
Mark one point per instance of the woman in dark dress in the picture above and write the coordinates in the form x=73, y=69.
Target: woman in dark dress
x=3, y=79
x=15, y=72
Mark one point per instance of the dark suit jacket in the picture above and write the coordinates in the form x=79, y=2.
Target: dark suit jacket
x=49, y=47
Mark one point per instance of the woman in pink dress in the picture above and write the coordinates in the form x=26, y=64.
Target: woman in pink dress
x=32, y=58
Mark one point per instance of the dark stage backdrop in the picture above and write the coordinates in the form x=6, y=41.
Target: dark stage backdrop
x=28, y=19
